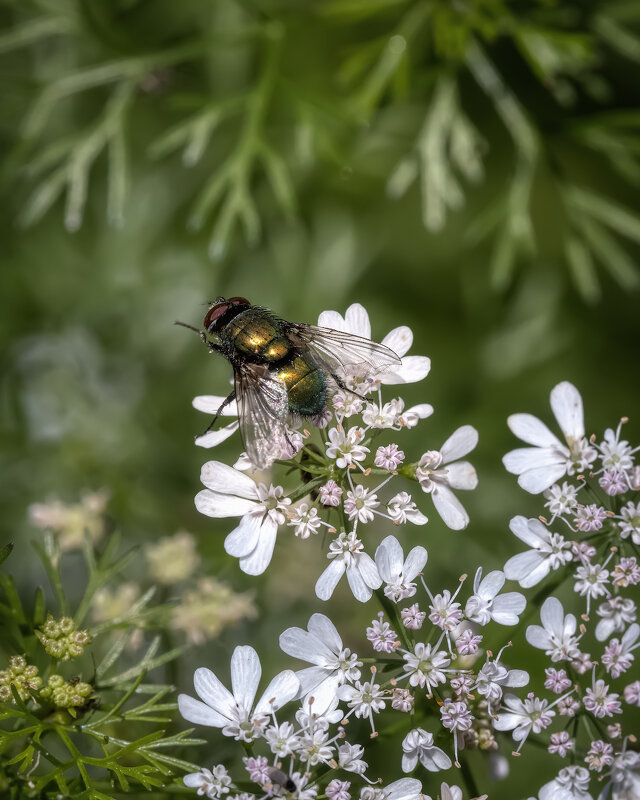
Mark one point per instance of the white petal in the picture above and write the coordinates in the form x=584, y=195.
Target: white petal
x=519, y=567
x=224, y=479
x=403, y=789
x=323, y=694
x=200, y=713
x=537, y=637
x=506, y=608
x=210, y=403
x=214, y=438
x=312, y=677
x=412, y=370
x=369, y=571
x=536, y=575
x=389, y=558
x=524, y=458
x=535, y=481
x=357, y=584
x=222, y=505
x=331, y=319
x=212, y=692
x=259, y=559
x=491, y=584
x=328, y=581
x=507, y=722
x=531, y=531
x=532, y=430
x=409, y=761
x=357, y=321
x=566, y=404
x=399, y=340
x=422, y=410
x=414, y=564
x=450, y=508
x=552, y=614
x=417, y=517
x=244, y=539
x=321, y=626
x=283, y=688
x=459, y=443
x=193, y=780
x=462, y=475
x=245, y=675
x=435, y=759
x=516, y=677
x=297, y=643
x=630, y=635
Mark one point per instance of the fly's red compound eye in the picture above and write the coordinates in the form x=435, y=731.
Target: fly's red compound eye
x=214, y=313
x=218, y=310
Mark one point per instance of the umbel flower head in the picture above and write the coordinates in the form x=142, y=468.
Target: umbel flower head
x=61, y=639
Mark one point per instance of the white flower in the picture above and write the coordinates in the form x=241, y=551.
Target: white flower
x=556, y=636
x=398, y=573
x=438, y=472
x=384, y=416
x=209, y=404
x=213, y=784
x=625, y=777
x=630, y=522
x=617, y=613
x=542, y=465
x=550, y=551
x=320, y=645
x=349, y=758
x=412, y=416
x=233, y=712
x=231, y=493
x=615, y=452
x=561, y=499
x=401, y=509
x=360, y=504
x=618, y=655
x=486, y=604
x=572, y=783
x=345, y=446
x=305, y=520
x=365, y=699
x=493, y=676
x=347, y=554
x=282, y=740
x=592, y=580
x=424, y=667
x=356, y=321
x=418, y=744
x=522, y=717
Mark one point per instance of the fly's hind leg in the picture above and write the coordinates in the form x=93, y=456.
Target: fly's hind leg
x=229, y=399
x=342, y=385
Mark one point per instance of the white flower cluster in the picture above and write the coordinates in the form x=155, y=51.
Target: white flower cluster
x=292, y=756
x=348, y=473
x=588, y=539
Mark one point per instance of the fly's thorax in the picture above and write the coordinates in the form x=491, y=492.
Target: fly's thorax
x=255, y=335
x=306, y=385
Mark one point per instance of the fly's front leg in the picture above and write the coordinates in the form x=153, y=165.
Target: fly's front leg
x=342, y=385
x=229, y=399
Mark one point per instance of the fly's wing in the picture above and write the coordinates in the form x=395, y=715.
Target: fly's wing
x=263, y=412
x=343, y=353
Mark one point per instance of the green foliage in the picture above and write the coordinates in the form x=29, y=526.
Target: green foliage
x=276, y=93
x=100, y=737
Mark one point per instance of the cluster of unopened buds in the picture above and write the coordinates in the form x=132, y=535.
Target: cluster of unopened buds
x=61, y=639
x=440, y=657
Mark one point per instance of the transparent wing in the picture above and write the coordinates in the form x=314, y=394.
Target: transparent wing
x=263, y=412
x=341, y=352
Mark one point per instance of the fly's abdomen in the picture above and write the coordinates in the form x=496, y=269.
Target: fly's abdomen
x=257, y=337
x=306, y=387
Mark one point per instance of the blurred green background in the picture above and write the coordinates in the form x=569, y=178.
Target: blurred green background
x=469, y=170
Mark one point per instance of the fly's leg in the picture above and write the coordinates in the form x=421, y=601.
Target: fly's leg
x=229, y=399
x=342, y=385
